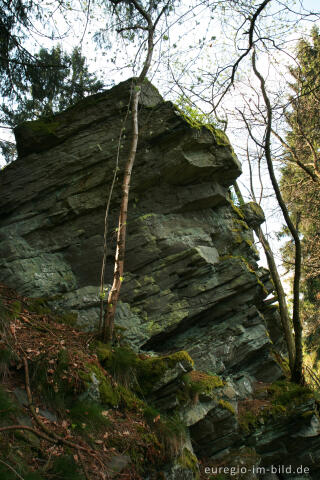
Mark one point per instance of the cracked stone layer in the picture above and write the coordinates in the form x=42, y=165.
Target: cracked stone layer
x=191, y=275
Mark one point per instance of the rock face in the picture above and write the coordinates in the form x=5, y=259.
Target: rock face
x=191, y=276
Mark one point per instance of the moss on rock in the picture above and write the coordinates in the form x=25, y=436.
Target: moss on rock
x=237, y=211
x=44, y=126
x=189, y=461
x=227, y=406
x=277, y=400
x=140, y=372
x=198, y=383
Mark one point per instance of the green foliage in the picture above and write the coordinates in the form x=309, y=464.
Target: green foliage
x=171, y=433
x=86, y=414
x=52, y=82
x=150, y=414
x=279, y=399
x=38, y=305
x=53, y=89
x=301, y=192
x=194, y=116
x=65, y=468
x=8, y=474
x=7, y=356
x=287, y=395
x=8, y=312
x=7, y=406
x=190, y=462
x=140, y=373
x=57, y=388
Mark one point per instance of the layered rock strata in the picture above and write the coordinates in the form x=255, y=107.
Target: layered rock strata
x=191, y=280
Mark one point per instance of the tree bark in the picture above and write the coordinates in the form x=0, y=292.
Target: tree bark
x=281, y=297
x=284, y=314
x=113, y=297
x=296, y=372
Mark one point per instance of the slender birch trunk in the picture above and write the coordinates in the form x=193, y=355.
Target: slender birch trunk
x=113, y=297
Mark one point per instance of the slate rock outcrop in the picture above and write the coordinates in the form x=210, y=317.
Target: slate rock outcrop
x=191, y=274
x=192, y=281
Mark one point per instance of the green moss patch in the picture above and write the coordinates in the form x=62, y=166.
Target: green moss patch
x=285, y=396
x=64, y=467
x=237, y=211
x=88, y=415
x=189, y=461
x=227, y=406
x=7, y=406
x=197, y=383
x=45, y=126
x=139, y=372
x=277, y=400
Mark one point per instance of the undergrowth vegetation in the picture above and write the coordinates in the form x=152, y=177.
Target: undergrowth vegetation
x=276, y=400
x=70, y=405
x=73, y=408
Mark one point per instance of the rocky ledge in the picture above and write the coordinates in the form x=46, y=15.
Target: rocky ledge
x=191, y=281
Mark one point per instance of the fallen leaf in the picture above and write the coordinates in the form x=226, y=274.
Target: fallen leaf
x=156, y=419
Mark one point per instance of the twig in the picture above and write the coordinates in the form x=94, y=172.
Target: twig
x=12, y=469
x=313, y=376
x=30, y=429
x=41, y=424
x=41, y=328
x=83, y=465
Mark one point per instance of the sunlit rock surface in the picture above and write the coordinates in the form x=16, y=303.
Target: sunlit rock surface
x=191, y=276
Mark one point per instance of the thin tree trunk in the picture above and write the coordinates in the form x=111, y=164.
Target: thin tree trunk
x=114, y=293
x=113, y=297
x=284, y=314
x=105, y=233
x=296, y=372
